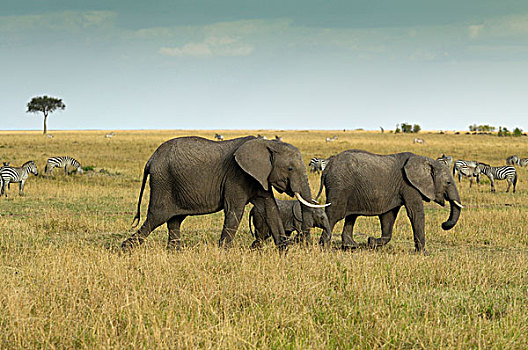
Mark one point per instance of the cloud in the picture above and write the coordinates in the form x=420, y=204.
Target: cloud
x=67, y=21
x=474, y=30
x=211, y=46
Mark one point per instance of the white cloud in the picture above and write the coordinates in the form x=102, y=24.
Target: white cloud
x=211, y=46
x=474, y=30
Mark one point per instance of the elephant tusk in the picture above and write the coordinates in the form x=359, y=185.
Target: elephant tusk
x=308, y=204
x=458, y=204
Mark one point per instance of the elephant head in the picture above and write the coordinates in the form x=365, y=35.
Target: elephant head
x=435, y=182
x=279, y=165
x=319, y=217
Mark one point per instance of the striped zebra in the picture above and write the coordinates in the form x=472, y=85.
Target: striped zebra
x=65, y=162
x=11, y=174
x=317, y=164
x=506, y=172
x=466, y=168
x=219, y=137
x=523, y=162
x=447, y=160
x=512, y=160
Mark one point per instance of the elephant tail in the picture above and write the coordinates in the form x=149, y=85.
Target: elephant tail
x=320, y=186
x=146, y=173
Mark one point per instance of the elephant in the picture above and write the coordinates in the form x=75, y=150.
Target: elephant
x=196, y=176
x=291, y=216
x=361, y=183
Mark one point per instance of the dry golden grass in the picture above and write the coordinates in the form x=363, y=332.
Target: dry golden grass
x=65, y=284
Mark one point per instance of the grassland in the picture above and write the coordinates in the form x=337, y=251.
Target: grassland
x=65, y=284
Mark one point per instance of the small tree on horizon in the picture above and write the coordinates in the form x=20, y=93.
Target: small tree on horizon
x=46, y=105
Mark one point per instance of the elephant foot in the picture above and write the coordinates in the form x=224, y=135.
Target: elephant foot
x=349, y=247
x=131, y=242
x=257, y=244
x=376, y=242
x=422, y=251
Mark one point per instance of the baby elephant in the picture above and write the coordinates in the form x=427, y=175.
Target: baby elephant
x=291, y=216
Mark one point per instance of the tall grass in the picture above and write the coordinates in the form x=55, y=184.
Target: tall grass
x=65, y=283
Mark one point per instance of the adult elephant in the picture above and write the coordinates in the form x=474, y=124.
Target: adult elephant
x=194, y=176
x=362, y=183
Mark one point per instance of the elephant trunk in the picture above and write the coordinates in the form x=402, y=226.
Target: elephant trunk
x=453, y=215
x=307, y=212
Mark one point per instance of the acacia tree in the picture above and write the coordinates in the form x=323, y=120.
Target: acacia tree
x=46, y=105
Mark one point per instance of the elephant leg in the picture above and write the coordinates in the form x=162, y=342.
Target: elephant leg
x=415, y=212
x=173, y=226
x=273, y=220
x=347, y=236
x=150, y=224
x=335, y=212
x=232, y=217
x=387, y=224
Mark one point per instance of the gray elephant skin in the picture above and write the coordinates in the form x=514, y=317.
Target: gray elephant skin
x=362, y=183
x=195, y=176
x=290, y=212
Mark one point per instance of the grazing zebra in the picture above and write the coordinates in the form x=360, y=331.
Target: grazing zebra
x=278, y=138
x=317, y=164
x=447, y=160
x=259, y=136
x=523, y=162
x=331, y=139
x=419, y=141
x=109, y=135
x=62, y=162
x=466, y=168
x=512, y=160
x=219, y=137
x=506, y=172
x=17, y=174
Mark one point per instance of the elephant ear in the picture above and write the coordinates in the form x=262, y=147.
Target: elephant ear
x=297, y=213
x=419, y=172
x=254, y=158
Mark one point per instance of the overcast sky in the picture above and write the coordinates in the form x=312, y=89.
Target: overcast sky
x=274, y=64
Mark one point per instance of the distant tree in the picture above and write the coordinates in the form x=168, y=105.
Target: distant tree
x=397, y=131
x=406, y=128
x=517, y=132
x=416, y=128
x=46, y=105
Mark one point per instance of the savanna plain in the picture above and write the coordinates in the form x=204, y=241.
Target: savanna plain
x=65, y=283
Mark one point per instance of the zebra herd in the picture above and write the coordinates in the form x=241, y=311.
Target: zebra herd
x=472, y=169
x=10, y=174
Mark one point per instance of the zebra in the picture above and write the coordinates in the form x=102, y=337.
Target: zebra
x=331, y=139
x=259, y=136
x=466, y=168
x=62, y=162
x=419, y=141
x=447, y=160
x=110, y=135
x=506, y=172
x=219, y=137
x=317, y=164
x=512, y=160
x=523, y=162
x=278, y=138
x=10, y=174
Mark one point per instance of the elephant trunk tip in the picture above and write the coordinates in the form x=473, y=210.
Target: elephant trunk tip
x=448, y=225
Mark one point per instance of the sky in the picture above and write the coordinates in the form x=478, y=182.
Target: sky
x=253, y=64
